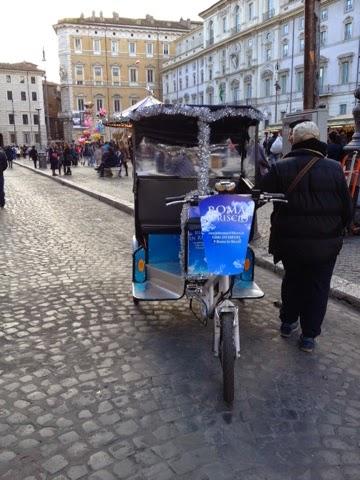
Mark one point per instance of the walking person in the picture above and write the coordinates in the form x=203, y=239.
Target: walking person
x=3, y=167
x=307, y=232
x=67, y=159
x=54, y=159
x=33, y=154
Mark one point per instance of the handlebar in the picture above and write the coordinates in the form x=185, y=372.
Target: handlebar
x=257, y=196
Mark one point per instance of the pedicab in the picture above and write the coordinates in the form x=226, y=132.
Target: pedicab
x=194, y=215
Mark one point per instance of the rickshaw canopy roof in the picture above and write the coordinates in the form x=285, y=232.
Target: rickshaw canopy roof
x=179, y=124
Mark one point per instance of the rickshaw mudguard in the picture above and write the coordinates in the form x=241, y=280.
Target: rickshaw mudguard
x=244, y=286
x=163, y=279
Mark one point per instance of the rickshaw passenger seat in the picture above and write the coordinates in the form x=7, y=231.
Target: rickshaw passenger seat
x=152, y=214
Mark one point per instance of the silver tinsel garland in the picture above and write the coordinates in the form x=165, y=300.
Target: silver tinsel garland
x=204, y=156
x=202, y=113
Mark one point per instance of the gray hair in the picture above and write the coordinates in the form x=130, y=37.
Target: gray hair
x=304, y=131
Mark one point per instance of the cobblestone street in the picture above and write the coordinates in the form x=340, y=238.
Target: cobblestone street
x=93, y=387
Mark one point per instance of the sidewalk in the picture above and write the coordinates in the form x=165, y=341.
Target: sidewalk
x=117, y=192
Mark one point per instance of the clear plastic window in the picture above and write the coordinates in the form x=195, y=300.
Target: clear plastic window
x=170, y=160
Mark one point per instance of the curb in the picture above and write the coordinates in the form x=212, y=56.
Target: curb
x=340, y=289
x=122, y=205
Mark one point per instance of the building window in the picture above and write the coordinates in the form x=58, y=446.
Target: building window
x=9, y=95
x=267, y=84
x=321, y=79
x=36, y=119
x=224, y=24
x=211, y=33
x=117, y=105
x=8, y=78
x=342, y=109
x=98, y=75
x=323, y=38
x=132, y=48
x=150, y=77
x=96, y=46
x=133, y=75
x=300, y=81
x=11, y=118
x=283, y=83
x=210, y=73
x=250, y=11
x=210, y=98
x=194, y=78
x=285, y=29
x=22, y=79
x=81, y=104
x=237, y=19
x=13, y=138
x=301, y=44
x=149, y=49
x=77, y=44
x=115, y=71
x=249, y=59
x=114, y=47
x=27, y=138
x=25, y=119
x=180, y=84
x=348, y=31
x=285, y=49
x=324, y=14
x=301, y=23
x=23, y=96
x=33, y=81
x=165, y=49
x=348, y=5
x=248, y=90
x=34, y=96
x=79, y=82
x=99, y=104
x=344, y=72
x=201, y=98
x=268, y=54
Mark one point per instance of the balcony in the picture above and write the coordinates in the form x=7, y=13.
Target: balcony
x=269, y=14
x=325, y=90
x=235, y=29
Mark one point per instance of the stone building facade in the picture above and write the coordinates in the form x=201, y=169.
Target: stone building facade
x=52, y=100
x=252, y=51
x=112, y=62
x=22, y=119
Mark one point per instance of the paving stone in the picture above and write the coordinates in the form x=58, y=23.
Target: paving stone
x=100, y=460
x=140, y=385
x=77, y=471
x=55, y=464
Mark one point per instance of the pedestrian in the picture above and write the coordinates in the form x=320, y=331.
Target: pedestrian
x=54, y=159
x=33, y=154
x=307, y=232
x=335, y=149
x=3, y=167
x=124, y=159
x=10, y=154
x=67, y=159
x=276, y=148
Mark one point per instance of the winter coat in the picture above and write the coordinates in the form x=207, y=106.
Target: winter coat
x=3, y=161
x=309, y=228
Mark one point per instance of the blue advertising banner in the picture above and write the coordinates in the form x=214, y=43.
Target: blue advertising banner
x=226, y=224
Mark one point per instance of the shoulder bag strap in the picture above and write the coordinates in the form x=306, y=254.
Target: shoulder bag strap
x=301, y=174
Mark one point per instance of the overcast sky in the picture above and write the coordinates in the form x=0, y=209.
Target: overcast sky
x=26, y=25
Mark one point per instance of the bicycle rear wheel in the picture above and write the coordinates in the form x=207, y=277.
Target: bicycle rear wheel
x=227, y=354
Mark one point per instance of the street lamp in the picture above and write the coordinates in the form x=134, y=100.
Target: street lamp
x=277, y=90
x=39, y=130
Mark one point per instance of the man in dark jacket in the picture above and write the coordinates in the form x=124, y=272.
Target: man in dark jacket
x=307, y=232
x=3, y=167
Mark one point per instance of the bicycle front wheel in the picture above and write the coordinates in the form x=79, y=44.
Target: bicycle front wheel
x=227, y=355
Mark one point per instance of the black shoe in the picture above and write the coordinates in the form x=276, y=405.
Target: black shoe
x=286, y=329
x=306, y=344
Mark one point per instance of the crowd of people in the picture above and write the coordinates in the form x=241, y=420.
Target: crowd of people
x=61, y=156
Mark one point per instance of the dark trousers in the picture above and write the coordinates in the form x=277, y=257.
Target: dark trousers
x=35, y=163
x=304, y=293
x=2, y=192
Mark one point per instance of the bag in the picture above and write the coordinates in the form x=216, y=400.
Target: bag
x=277, y=146
x=3, y=161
